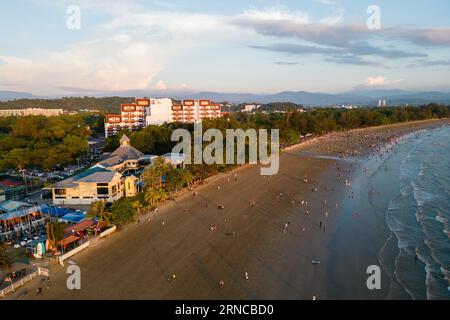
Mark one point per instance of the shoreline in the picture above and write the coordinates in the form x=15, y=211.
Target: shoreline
x=141, y=258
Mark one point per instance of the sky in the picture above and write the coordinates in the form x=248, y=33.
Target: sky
x=73, y=47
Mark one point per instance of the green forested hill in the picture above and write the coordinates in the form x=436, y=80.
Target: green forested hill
x=107, y=104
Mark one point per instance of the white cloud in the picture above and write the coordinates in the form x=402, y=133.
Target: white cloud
x=275, y=14
x=160, y=85
x=107, y=64
x=379, y=81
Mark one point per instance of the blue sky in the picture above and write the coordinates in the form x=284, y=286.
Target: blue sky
x=228, y=46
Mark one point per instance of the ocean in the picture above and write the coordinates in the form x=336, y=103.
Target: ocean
x=410, y=186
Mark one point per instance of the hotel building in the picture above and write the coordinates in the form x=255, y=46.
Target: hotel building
x=131, y=117
x=191, y=111
x=146, y=112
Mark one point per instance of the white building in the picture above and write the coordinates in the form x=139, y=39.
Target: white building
x=159, y=111
x=31, y=112
x=251, y=107
x=382, y=103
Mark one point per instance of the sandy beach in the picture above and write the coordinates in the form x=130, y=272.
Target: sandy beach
x=305, y=213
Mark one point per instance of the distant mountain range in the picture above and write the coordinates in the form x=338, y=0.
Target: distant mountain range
x=356, y=97
x=11, y=95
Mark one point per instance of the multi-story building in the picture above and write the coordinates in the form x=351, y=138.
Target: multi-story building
x=31, y=112
x=144, y=112
x=131, y=117
x=159, y=111
x=191, y=111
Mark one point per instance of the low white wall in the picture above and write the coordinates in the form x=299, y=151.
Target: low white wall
x=74, y=251
x=108, y=231
x=18, y=284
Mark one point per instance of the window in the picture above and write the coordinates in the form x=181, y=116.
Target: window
x=102, y=191
x=60, y=192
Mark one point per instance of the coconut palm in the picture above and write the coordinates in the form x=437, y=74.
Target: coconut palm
x=163, y=194
x=162, y=168
x=98, y=209
x=186, y=177
x=151, y=177
x=153, y=196
x=137, y=206
x=174, y=180
x=55, y=232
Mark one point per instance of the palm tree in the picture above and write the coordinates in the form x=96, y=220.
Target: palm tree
x=55, y=232
x=137, y=206
x=153, y=196
x=98, y=209
x=163, y=194
x=187, y=177
x=162, y=168
x=151, y=177
x=174, y=180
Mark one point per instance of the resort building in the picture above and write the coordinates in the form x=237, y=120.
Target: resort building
x=31, y=112
x=131, y=117
x=108, y=180
x=146, y=112
x=192, y=111
x=123, y=159
x=159, y=111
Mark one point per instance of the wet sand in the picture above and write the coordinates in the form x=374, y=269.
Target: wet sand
x=275, y=240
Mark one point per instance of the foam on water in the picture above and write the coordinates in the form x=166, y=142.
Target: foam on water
x=416, y=214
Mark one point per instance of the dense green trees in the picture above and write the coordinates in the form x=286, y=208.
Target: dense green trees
x=42, y=142
x=107, y=104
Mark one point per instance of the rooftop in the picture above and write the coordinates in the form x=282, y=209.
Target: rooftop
x=94, y=174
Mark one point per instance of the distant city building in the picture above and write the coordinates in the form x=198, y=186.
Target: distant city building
x=382, y=103
x=31, y=112
x=251, y=107
x=349, y=107
x=145, y=112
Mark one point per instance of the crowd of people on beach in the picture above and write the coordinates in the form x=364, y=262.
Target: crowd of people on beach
x=355, y=148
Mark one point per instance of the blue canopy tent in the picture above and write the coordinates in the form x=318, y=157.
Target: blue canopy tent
x=73, y=217
x=56, y=211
